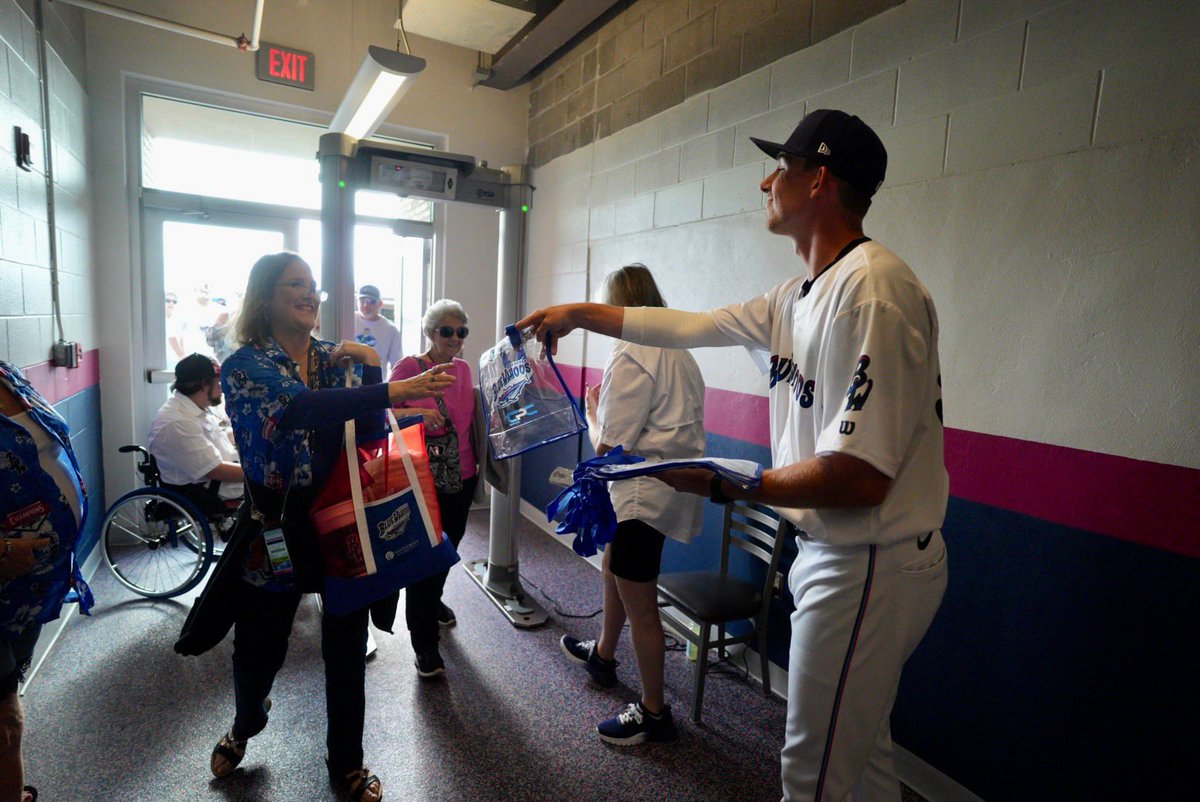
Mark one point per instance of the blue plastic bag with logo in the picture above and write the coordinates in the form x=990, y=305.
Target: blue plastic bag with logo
x=585, y=508
x=526, y=403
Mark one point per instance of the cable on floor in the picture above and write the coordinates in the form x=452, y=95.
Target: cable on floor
x=555, y=606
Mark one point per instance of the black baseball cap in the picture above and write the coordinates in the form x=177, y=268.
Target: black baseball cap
x=840, y=141
x=193, y=369
x=370, y=291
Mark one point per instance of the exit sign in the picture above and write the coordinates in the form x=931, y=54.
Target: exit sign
x=285, y=65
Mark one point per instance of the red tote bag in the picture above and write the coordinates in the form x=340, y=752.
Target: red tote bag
x=377, y=520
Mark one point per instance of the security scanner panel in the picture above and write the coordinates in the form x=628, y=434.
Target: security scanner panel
x=349, y=165
x=413, y=180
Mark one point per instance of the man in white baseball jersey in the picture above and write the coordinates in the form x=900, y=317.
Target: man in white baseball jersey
x=856, y=430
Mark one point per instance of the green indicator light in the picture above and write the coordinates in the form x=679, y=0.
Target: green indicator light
x=524, y=207
x=342, y=184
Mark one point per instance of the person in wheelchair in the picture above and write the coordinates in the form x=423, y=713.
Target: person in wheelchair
x=191, y=440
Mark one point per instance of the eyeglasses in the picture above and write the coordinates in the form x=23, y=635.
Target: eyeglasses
x=300, y=285
x=450, y=331
x=172, y=301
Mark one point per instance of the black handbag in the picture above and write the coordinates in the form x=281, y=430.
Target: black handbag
x=444, y=461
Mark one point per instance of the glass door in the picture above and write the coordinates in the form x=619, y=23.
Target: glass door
x=197, y=264
x=393, y=257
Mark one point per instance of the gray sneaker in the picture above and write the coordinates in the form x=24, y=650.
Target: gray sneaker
x=604, y=672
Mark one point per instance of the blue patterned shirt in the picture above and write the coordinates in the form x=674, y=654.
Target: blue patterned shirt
x=289, y=434
x=33, y=506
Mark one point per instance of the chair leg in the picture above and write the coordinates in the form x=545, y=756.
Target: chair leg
x=763, y=659
x=701, y=667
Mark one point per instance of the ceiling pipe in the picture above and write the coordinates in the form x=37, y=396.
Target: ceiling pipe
x=541, y=39
x=240, y=41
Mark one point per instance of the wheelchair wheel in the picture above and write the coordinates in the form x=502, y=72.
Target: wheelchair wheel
x=156, y=543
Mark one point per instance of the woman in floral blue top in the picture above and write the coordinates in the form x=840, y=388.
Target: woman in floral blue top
x=42, y=508
x=287, y=401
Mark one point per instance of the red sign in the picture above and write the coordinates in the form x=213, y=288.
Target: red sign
x=27, y=515
x=285, y=65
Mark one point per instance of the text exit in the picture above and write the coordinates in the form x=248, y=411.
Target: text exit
x=285, y=65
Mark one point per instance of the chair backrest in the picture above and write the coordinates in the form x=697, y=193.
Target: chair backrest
x=756, y=530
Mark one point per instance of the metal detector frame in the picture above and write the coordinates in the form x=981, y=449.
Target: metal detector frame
x=348, y=165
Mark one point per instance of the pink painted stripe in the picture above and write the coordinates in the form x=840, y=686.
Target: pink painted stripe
x=58, y=384
x=740, y=416
x=577, y=378
x=1149, y=503
x=1142, y=502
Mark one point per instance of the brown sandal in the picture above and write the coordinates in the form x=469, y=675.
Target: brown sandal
x=229, y=751
x=363, y=786
x=227, y=755
x=359, y=784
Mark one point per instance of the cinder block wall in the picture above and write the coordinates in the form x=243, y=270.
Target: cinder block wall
x=1044, y=159
x=653, y=54
x=27, y=325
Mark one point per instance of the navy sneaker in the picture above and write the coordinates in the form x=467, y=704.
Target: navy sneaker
x=446, y=617
x=429, y=664
x=604, y=672
x=635, y=725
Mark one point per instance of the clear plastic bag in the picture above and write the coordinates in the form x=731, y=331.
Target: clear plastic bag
x=526, y=403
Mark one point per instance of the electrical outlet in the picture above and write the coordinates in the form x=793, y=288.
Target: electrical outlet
x=23, y=149
x=66, y=355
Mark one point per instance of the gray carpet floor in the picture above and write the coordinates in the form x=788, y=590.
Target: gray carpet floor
x=115, y=714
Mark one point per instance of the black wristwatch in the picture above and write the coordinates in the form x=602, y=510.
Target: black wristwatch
x=715, y=495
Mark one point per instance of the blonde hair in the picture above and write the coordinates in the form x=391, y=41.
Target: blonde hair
x=631, y=285
x=253, y=326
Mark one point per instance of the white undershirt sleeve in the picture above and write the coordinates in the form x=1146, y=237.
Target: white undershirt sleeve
x=671, y=328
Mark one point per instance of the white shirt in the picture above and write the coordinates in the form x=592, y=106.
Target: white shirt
x=189, y=442
x=854, y=370
x=200, y=318
x=652, y=403
x=381, y=335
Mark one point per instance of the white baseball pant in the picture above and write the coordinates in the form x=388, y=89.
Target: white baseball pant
x=860, y=612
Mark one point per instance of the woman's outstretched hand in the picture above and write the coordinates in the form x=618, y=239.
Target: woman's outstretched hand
x=430, y=384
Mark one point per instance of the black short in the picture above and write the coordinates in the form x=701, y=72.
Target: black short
x=14, y=659
x=636, y=551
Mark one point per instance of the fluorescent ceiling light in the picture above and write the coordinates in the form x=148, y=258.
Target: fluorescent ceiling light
x=382, y=80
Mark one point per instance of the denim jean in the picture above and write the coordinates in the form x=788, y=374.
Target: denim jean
x=260, y=641
x=423, y=601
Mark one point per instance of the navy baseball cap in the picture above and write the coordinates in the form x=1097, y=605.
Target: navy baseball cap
x=193, y=369
x=370, y=291
x=841, y=142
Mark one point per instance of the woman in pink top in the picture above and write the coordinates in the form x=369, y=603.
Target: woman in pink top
x=448, y=431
